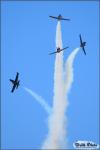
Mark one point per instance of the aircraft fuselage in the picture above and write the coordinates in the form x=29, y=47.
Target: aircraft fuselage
x=59, y=17
x=83, y=44
x=58, y=50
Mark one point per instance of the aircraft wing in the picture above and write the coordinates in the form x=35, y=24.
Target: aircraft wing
x=13, y=88
x=65, y=19
x=64, y=48
x=52, y=53
x=53, y=17
x=80, y=39
x=12, y=81
x=84, y=50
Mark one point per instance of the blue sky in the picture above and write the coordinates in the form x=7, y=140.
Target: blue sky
x=28, y=35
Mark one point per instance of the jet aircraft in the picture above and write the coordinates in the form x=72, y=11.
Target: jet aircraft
x=59, y=18
x=82, y=44
x=58, y=50
x=15, y=82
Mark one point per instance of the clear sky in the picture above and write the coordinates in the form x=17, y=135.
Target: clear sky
x=28, y=35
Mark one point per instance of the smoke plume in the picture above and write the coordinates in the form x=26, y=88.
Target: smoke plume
x=40, y=100
x=63, y=77
x=57, y=135
x=57, y=129
x=69, y=70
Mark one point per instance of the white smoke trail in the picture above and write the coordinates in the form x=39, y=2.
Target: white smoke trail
x=69, y=70
x=57, y=136
x=40, y=100
x=57, y=131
